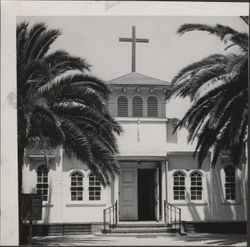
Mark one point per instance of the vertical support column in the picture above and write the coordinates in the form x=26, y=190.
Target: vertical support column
x=163, y=187
x=210, y=192
x=116, y=195
x=157, y=196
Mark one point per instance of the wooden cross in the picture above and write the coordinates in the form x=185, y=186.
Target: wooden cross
x=133, y=40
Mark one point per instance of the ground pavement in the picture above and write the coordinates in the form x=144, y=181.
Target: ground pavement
x=198, y=239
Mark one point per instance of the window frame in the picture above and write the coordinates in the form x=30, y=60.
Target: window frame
x=96, y=189
x=184, y=185
x=196, y=186
x=225, y=187
x=79, y=188
x=44, y=185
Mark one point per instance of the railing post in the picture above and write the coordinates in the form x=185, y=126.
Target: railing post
x=169, y=214
x=175, y=219
x=164, y=212
x=171, y=210
x=113, y=215
x=116, y=213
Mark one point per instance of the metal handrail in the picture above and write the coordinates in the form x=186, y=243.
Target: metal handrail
x=110, y=218
x=172, y=216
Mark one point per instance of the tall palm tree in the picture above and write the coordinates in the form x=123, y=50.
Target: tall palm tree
x=61, y=103
x=218, y=88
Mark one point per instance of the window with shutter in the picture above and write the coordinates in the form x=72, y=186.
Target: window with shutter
x=137, y=106
x=152, y=107
x=122, y=105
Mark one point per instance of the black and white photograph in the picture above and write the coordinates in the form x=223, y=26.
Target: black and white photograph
x=124, y=123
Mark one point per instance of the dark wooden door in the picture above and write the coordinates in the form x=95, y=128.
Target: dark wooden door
x=146, y=194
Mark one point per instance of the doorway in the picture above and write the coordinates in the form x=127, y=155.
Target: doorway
x=146, y=195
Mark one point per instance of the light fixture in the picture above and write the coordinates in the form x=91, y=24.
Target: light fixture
x=139, y=164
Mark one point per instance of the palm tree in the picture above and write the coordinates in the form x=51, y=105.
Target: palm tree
x=61, y=103
x=218, y=88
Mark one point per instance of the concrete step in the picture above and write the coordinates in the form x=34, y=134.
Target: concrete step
x=142, y=230
x=139, y=225
x=138, y=234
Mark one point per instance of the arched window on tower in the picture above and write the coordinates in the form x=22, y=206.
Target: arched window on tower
x=179, y=186
x=76, y=186
x=152, y=106
x=230, y=183
x=137, y=105
x=122, y=106
x=196, y=186
x=42, y=185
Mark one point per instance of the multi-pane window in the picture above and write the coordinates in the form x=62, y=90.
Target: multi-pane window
x=152, y=106
x=179, y=186
x=94, y=188
x=122, y=105
x=76, y=186
x=42, y=182
x=196, y=186
x=137, y=105
x=230, y=183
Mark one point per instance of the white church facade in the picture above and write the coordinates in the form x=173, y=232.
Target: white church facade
x=156, y=170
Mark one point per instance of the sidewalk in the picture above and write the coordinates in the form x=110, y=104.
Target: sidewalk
x=198, y=239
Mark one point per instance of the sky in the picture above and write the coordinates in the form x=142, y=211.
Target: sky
x=96, y=38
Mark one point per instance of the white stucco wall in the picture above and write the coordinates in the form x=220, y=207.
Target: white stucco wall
x=59, y=208
x=213, y=206
x=148, y=136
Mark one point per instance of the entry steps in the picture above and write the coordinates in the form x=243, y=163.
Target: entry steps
x=140, y=227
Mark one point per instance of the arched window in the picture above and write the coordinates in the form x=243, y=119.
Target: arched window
x=152, y=106
x=122, y=105
x=94, y=188
x=137, y=105
x=179, y=185
x=42, y=182
x=196, y=186
x=230, y=183
x=76, y=186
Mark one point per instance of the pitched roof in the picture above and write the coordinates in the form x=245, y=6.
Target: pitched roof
x=137, y=79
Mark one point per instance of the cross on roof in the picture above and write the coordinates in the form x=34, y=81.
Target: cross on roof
x=133, y=40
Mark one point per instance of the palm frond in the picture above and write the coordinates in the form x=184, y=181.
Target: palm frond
x=245, y=19
x=60, y=61
x=223, y=32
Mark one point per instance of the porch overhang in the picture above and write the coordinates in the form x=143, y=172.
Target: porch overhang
x=141, y=158
x=188, y=152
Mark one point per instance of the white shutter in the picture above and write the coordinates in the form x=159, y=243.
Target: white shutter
x=152, y=107
x=122, y=104
x=137, y=106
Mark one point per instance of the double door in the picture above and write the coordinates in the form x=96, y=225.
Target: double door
x=139, y=194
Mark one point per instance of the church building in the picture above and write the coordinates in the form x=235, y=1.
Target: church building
x=159, y=188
